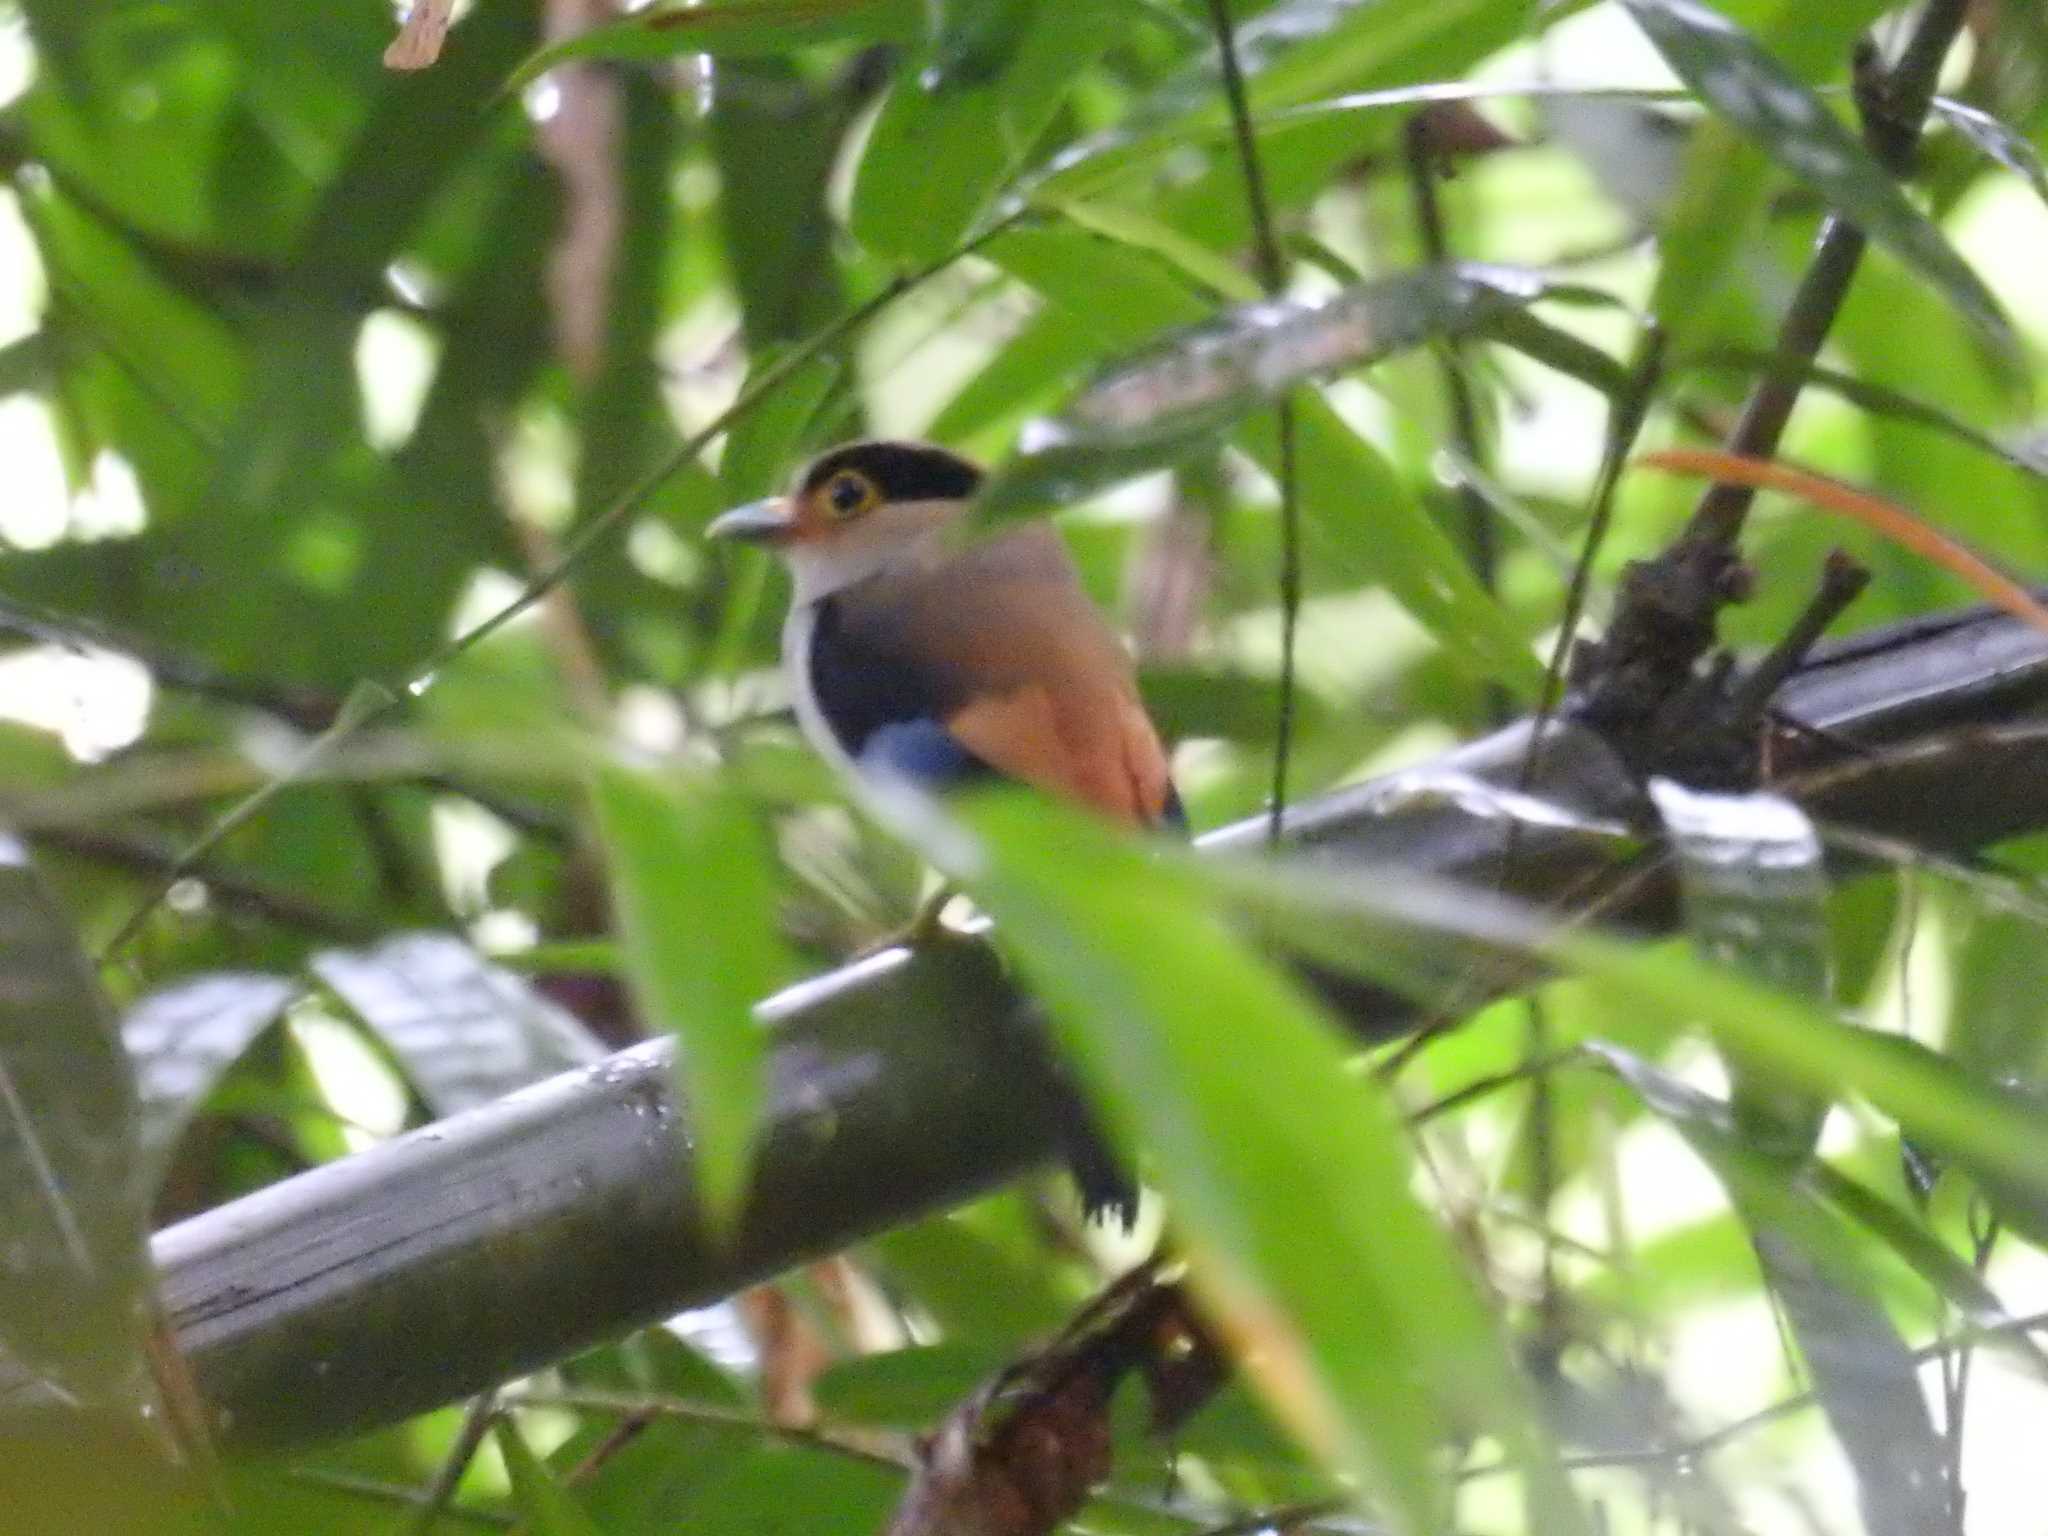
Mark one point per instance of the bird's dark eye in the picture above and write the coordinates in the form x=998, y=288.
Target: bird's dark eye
x=850, y=493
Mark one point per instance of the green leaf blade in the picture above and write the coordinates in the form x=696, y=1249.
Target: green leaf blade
x=693, y=880
x=76, y=1287
x=946, y=138
x=1373, y=1336
x=1769, y=105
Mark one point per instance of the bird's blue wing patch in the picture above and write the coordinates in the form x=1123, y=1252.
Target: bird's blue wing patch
x=1173, y=814
x=931, y=757
x=924, y=752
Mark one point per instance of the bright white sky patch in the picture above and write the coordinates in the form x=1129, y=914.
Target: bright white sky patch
x=96, y=702
x=37, y=507
x=395, y=361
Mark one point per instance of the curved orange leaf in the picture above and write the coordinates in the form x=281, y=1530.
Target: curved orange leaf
x=1887, y=518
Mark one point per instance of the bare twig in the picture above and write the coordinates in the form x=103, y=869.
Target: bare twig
x=1624, y=423
x=140, y=854
x=400, y=1494
x=1666, y=619
x=871, y=1449
x=1693, y=1451
x=1421, y=144
x=1273, y=278
x=476, y=1423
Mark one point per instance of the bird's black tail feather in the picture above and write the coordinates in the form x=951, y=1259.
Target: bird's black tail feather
x=1108, y=1192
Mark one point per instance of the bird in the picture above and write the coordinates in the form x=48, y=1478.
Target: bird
x=910, y=653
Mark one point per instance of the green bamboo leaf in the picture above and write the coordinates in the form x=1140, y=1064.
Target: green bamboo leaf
x=1558, y=349
x=974, y=1283
x=1930, y=1258
x=1413, y=935
x=182, y=1039
x=29, y=363
x=1150, y=409
x=1372, y=1335
x=1769, y=104
x=973, y=39
x=1292, y=53
x=1881, y=400
x=546, y=1507
x=732, y=28
x=1997, y=141
x=763, y=445
x=1998, y=1136
x=1187, y=702
x=938, y=150
x=908, y=1389
x=693, y=880
x=1755, y=892
x=1724, y=186
x=776, y=138
x=1051, y=348
x=75, y=1283
x=1186, y=388
x=1142, y=231
x=463, y=1031
x=1350, y=494
x=1865, y=1376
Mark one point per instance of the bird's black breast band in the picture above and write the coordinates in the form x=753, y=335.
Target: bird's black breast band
x=882, y=711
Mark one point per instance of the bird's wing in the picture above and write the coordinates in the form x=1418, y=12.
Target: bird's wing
x=1000, y=647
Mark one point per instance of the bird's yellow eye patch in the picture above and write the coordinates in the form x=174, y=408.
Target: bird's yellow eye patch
x=847, y=495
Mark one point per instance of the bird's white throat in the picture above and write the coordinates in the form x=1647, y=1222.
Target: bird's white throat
x=903, y=533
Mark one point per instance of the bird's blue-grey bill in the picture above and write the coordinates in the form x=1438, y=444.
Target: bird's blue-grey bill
x=756, y=522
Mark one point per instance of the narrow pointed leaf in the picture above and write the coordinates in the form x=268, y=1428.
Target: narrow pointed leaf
x=182, y=1040
x=1997, y=141
x=973, y=39
x=907, y=1388
x=1127, y=299
x=1348, y=493
x=732, y=27
x=1767, y=103
x=1291, y=53
x=463, y=1031
x=762, y=446
x=693, y=883
x=1881, y=400
x=1749, y=866
x=1557, y=348
x=1930, y=1258
x=1996, y=1133
x=546, y=1507
x=1147, y=410
x=29, y=363
x=74, y=1269
x=946, y=138
x=1371, y=1337
x=1865, y=1376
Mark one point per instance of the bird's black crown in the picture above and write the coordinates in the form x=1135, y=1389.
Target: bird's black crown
x=901, y=471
